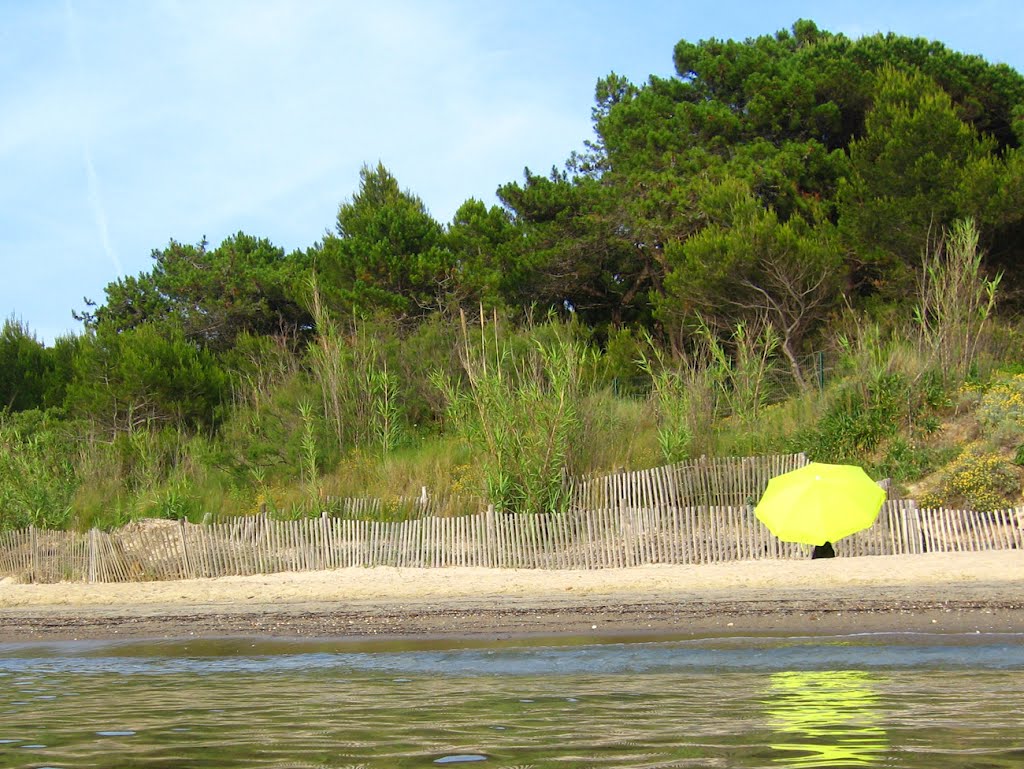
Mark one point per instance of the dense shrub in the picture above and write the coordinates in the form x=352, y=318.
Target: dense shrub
x=1001, y=410
x=976, y=480
x=37, y=477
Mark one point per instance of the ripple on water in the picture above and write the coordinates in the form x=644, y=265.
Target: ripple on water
x=654, y=709
x=460, y=758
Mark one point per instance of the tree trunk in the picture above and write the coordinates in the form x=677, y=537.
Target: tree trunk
x=794, y=365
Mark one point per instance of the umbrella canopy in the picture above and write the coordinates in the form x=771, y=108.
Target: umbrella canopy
x=820, y=503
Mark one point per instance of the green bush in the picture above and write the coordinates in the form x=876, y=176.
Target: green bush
x=522, y=411
x=904, y=461
x=37, y=476
x=858, y=421
x=864, y=416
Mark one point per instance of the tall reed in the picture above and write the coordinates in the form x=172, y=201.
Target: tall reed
x=687, y=397
x=37, y=478
x=955, y=299
x=522, y=412
x=362, y=398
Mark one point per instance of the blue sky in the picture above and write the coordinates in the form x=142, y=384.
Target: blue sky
x=126, y=123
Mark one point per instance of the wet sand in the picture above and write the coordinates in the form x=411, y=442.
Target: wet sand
x=934, y=593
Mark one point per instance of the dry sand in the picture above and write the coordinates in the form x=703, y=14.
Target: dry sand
x=954, y=592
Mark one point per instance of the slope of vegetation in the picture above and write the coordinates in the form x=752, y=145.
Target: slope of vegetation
x=799, y=242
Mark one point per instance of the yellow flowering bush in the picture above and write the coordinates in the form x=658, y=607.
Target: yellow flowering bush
x=1003, y=402
x=462, y=480
x=976, y=480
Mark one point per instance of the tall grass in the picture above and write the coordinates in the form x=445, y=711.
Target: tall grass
x=37, y=478
x=522, y=412
x=360, y=395
x=955, y=300
x=714, y=379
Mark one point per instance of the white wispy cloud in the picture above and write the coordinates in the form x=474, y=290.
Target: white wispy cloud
x=94, y=192
x=99, y=212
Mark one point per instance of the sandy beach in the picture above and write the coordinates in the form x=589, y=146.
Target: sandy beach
x=950, y=592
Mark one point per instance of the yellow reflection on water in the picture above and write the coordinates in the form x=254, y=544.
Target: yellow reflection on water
x=826, y=718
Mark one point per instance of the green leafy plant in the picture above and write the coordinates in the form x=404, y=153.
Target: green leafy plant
x=310, y=472
x=362, y=396
x=37, y=477
x=522, y=413
x=955, y=299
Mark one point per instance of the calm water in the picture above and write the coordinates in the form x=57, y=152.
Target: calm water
x=887, y=701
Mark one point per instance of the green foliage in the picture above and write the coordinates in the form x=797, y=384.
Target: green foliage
x=781, y=427
x=388, y=254
x=858, y=422
x=619, y=366
x=702, y=244
x=308, y=456
x=883, y=398
x=574, y=255
x=361, y=397
x=956, y=300
x=386, y=415
x=414, y=357
x=915, y=170
x=617, y=432
x=161, y=473
x=260, y=445
x=904, y=461
x=744, y=368
x=482, y=242
x=1003, y=402
x=523, y=414
x=671, y=404
x=246, y=285
x=686, y=395
x=148, y=376
x=257, y=365
x=1001, y=409
x=37, y=478
x=886, y=136
x=22, y=368
x=751, y=268
x=32, y=376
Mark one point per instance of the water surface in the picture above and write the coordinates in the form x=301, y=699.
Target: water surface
x=888, y=701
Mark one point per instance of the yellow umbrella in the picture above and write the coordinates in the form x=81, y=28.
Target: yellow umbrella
x=820, y=503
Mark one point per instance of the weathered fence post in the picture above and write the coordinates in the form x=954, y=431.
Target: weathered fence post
x=491, y=547
x=322, y=552
x=92, y=555
x=186, y=564
x=33, y=554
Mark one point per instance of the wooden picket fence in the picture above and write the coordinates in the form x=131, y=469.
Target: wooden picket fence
x=728, y=481
x=403, y=508
x=580, y=539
